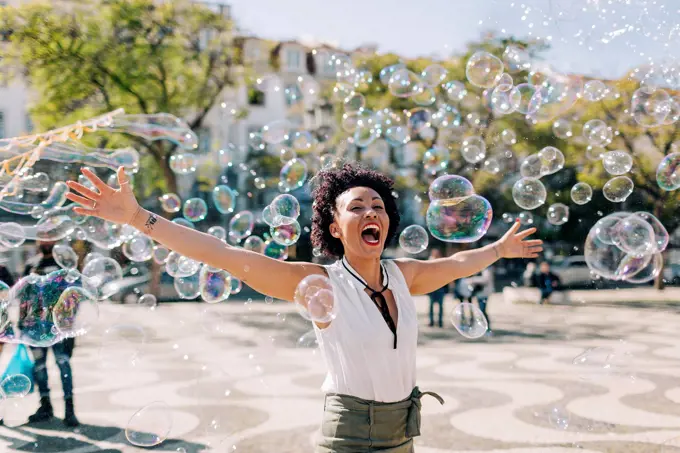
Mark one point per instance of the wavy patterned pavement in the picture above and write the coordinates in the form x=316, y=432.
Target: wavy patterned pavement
x=236, y=378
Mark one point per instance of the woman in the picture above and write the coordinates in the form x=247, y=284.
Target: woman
x=372, y=402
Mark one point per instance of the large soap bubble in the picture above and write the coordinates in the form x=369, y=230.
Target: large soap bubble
x=37, y=298
x=618, y=189
x=469, y=320
x=581, y=193
x=150, y=425
x=105, y=274
x=314, y=294
x=224, y=199
x=462, y=219
x=215, y=284
x=450, y=186
x=668, y=172
x=413, y=239
x=607, y=259
x=285, y=209
x=483, y=69
x=529, y=193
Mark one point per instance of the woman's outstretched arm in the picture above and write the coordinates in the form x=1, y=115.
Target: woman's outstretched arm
x=265, y=275
x=423, y=277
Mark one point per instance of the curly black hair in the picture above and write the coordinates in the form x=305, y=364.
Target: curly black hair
x=328, y=184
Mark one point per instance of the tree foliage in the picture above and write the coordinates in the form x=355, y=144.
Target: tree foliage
x=86, y=58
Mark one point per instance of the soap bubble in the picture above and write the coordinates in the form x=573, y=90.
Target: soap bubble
x=483, y=69
x=195, y=209
x=241, y=225
x=528, y=97
x=559, y=418
x=314, y=293
x=184, y=222
x=435, y=160
x=634, y=235
x=562, y=128
x=529, y=193
x=148, y=300
x=469, y=320
x=649, y=272
x=618, y=189
x=140, y=248
x=215, y=284
x=450, y=186
x=254, y=244
x=558, y=214
x=150, y=425
x=236, y=286
x=160, y=254
x=433, y=75
x=177, y=265
x=552, y=160
x=12, y=235
x=65, y=256
x=274, y=250
x=413, y=239
x=286, y=234
x=661, y=236
x=504, y=100
x=404, y=83
x=581, y=193
x=473, y=149
x=276, y=131
x=668, y=172
x=597, y=133
x=224, y=199
x=462, y=219
x=617, y=162
x=650, y=106
x=604, y=257
x=507, y=217
x=75, y=312
x=367, y=131
x=531, y=167
x=218, y=231
x=188, y=287
x=16, y=386
x=183, y=163
x=293, y=175
x=525, y=218
x=285, y=209
x=170, y=202
x=105, y=274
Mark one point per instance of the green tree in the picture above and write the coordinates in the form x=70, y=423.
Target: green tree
x=89, y=57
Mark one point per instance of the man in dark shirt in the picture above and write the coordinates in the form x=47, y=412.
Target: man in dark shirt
x=43, y=265
x=547, y=282
x=437, y=296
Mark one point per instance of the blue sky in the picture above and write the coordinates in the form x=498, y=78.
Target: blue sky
x=595, y=37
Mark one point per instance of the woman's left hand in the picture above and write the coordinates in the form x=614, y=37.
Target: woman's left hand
x=514, y=245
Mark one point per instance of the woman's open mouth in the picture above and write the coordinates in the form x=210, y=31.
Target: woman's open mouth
x=371, y=234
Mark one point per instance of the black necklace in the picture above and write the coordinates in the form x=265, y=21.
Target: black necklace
x=378, y=298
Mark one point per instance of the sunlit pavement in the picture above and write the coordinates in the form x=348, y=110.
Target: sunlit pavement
x=236, y=377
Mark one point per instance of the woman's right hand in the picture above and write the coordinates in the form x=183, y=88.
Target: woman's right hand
x=114, y=205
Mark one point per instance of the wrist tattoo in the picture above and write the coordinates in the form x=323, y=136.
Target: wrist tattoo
x=150, y=222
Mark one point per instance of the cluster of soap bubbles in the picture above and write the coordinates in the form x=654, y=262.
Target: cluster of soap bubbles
x=456, y=213
x=626, y=246
x=43, y=310
x=281, y=216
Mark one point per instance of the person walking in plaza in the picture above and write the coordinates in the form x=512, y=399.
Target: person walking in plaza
x=483, y=288
x=43, y=264
x=372, y=402
x=547, y=282
x=437, y=296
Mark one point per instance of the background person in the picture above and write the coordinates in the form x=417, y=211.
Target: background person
x=43, y=264
x=437, y=296
x=547, y=282
x=483, y=287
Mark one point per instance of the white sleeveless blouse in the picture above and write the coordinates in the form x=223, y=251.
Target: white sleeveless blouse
x=358, y=346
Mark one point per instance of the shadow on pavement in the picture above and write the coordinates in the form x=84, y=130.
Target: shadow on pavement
x=42, y=442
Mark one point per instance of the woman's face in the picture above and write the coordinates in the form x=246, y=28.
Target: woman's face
x=361, y=222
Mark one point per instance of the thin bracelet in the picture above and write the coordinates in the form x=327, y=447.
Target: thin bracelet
x=134, y=216
x=496, y=251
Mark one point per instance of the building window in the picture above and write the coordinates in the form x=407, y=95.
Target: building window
x=325, y=68
x=255, y=96
x=293, y=59
x=293, y=94
x=2, y=124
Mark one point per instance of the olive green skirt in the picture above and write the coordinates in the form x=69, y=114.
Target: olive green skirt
x=355, y=425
